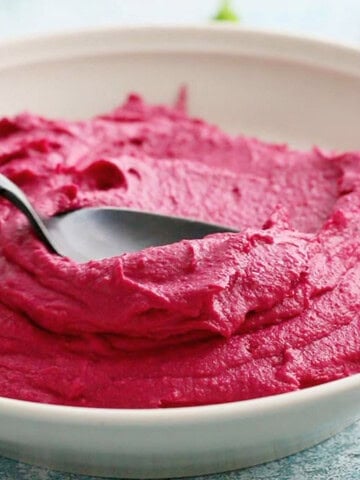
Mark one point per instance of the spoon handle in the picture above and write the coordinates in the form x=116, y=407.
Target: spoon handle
x=17, y=197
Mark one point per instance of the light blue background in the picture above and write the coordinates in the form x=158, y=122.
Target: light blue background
x=339, y=20
x=334, y=19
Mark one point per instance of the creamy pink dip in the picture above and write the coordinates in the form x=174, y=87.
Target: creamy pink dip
x=272, y=309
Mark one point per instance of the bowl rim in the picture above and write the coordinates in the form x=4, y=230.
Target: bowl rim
x=319, y=52
x=296, y=48
x=255, y=407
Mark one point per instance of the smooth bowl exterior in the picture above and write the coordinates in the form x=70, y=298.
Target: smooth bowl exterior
x=176, y=442
x=273, y=86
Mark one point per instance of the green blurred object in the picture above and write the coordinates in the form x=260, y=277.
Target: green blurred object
x=226, y=12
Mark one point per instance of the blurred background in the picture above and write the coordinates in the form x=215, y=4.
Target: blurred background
x=337, y=20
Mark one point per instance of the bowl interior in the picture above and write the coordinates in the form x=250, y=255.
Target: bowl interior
x=258, y=84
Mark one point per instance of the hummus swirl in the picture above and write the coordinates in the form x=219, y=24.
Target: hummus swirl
x=272, y=309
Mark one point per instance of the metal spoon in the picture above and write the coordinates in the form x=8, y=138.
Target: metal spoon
x=101, y=232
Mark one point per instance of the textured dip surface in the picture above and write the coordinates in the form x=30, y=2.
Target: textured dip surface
x=272, y=309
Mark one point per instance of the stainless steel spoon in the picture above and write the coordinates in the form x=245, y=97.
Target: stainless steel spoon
x=101, y=232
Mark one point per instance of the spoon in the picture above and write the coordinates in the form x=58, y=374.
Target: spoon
x=102, y=232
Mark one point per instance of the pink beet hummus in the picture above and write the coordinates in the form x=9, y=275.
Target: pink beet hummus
x=272, y=309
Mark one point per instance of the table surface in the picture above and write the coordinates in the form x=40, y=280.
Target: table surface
x=339, y=457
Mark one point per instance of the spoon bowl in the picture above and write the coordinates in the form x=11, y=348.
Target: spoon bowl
x=102, y=232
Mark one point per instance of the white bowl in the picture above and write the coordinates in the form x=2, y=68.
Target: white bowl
x=273, y=86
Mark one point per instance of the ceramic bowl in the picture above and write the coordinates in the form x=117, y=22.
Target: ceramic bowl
x=273, y=86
